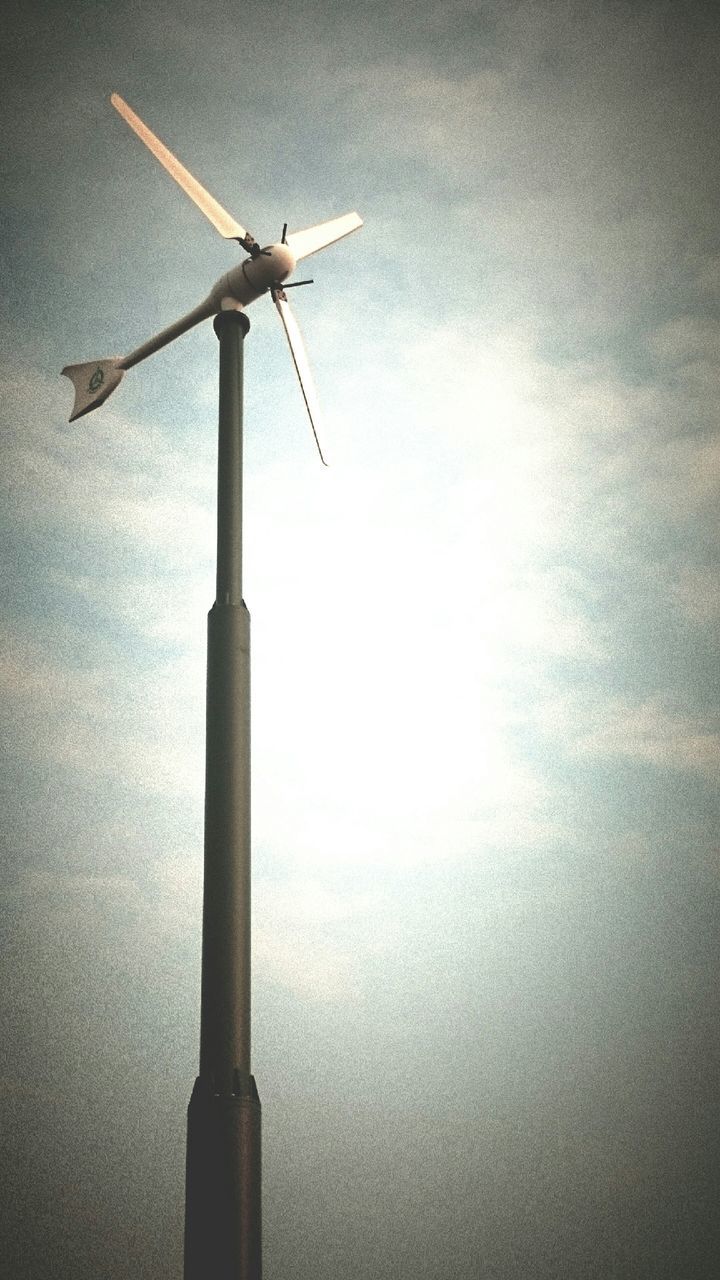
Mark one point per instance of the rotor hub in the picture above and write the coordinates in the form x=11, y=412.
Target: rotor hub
x=281, y=259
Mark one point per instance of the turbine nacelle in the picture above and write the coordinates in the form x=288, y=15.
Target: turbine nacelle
x=255, y=276
x=271, y=266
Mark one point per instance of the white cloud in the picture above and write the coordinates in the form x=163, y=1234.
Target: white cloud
x=687, y=337
x=147, y=733
x=698, y=591
x=164, y=610
x=103, y=475
x=655, y=730
x=301, y=934
x=309, y=968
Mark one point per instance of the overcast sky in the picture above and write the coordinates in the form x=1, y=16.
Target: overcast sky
x=485, y=640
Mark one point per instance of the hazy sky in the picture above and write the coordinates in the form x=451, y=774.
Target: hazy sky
x=485, y=640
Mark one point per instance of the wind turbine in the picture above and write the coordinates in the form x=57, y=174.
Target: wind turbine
x=223, y=1172
x=266, y=270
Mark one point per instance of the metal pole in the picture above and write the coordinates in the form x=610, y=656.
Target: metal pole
x=222, y=1197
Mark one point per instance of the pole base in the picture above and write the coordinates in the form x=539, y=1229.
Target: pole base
x=223, y=1232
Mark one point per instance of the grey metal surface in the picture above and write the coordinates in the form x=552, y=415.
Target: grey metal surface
x=223, y=1184
x=223, y=1235
x=225, y=1004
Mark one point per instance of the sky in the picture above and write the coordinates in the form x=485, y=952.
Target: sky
x=486, y=742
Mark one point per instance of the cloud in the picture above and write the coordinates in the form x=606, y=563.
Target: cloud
x=84, y=720
x=698, y=590
x=107, y=477
x=655, y=731
x=686, y=338
x=313, y=940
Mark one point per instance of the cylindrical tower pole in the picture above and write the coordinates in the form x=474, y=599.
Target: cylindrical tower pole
x=222, y=1199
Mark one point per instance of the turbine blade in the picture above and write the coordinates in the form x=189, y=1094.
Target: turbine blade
x=300, y=360
x=214, y=212
x=303, y=243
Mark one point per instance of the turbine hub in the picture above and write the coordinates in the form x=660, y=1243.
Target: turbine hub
x=281, y=261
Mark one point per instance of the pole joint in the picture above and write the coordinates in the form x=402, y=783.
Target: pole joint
x=225, y=320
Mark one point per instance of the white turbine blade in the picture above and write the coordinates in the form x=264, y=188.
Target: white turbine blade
x=303, y=243
x=302, y=365
x=214, y=212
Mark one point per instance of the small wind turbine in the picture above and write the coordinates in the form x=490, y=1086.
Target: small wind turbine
x=223, y=1234
x=265, y=271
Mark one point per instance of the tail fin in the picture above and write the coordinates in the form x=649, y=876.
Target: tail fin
x=93, y=383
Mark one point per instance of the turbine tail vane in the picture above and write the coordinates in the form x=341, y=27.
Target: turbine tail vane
x=93, y=381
